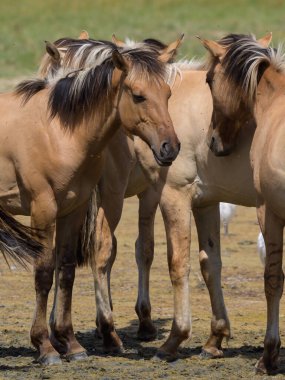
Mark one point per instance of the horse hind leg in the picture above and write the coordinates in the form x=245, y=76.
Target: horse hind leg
x=208, y=228
x=272, y=229
x=108, y=216
x=148, y=203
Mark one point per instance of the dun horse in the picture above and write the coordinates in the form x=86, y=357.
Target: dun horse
x=196, y=180
x=248, y=80
x=52, y=160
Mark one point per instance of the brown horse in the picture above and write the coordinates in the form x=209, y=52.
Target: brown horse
x=248, y=80
x=196, y=180
x=51, y=159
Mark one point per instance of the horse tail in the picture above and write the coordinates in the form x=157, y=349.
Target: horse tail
x=87, y=237
x=16, y=241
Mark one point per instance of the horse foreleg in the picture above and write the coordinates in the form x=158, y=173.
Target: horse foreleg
x=108, y=216
x=175, y=207
x=208, y=228
x=272, y=229
x=43, y=215
x=148, y=202
x=62, y=334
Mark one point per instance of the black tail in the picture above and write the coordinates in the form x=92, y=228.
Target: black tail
x=16, y=240
x=87, y=239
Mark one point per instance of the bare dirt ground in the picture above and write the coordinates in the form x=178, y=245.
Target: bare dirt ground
x=243, y=289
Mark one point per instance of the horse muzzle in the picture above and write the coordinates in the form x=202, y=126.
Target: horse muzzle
x=167, y=153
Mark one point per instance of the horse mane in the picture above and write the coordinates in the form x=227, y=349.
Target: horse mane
x=83, y=81
x=28, y=88
x=245, y=61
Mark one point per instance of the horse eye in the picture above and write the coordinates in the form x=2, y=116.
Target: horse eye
x=138, y=98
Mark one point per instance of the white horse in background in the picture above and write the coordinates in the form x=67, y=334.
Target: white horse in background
x=227, y=212
x=261, y=248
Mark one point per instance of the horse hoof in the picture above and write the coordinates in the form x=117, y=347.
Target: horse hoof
x=260, y=368
x=49, y=360
x=213, y=354
x=76, y=356
x=165, y=356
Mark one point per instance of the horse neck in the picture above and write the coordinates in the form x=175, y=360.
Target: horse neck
x=95, y=133
x=269, y=89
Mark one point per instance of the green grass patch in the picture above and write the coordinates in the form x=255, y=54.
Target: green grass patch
x=25, y=24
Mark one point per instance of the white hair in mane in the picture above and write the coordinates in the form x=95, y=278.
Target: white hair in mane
x=244, y=59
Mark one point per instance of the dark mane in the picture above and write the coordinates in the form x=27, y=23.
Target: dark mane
x=28, y=88
x=72, y=106
x=158, y=45
x=76, y=96
x=245, y=61
x=231, y=38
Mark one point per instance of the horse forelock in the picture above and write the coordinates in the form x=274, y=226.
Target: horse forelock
x=144, y=64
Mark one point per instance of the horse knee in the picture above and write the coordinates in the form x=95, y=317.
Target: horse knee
x=179, y=274
x=273, y=284
x=66, y=276
x=144, y=251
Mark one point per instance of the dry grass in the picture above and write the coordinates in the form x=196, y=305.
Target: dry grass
x=242, y=286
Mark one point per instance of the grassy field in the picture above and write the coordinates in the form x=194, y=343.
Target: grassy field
x=25, y=24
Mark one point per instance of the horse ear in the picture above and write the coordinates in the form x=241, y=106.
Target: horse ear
x=119, y=61
x=84, y=35
x=214, y=48
x=266, y=40
x=52, y=51
x=169, y=52
x=117, y=42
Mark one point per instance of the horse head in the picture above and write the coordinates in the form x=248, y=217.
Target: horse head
x=231, y=108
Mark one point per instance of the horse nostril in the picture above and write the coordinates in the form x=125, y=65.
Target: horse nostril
x=165, y=148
